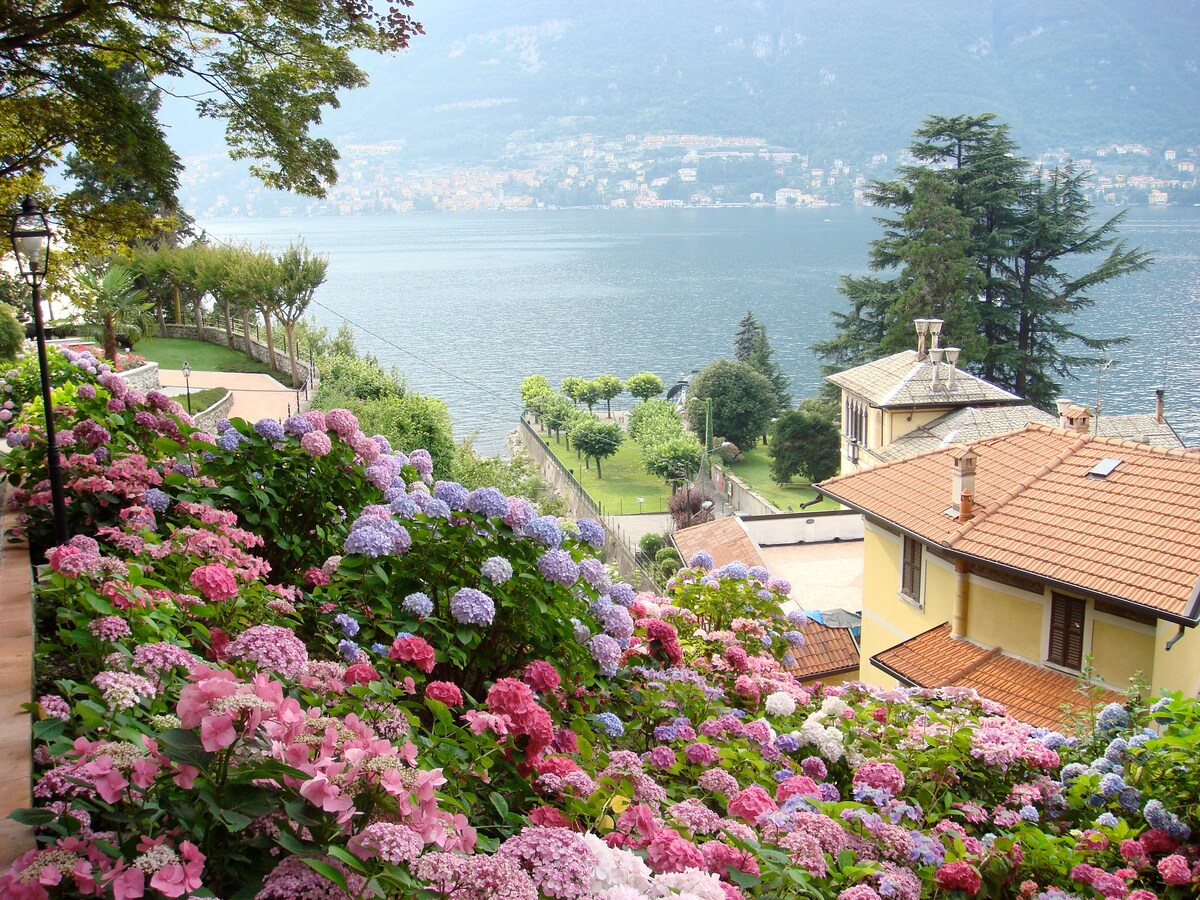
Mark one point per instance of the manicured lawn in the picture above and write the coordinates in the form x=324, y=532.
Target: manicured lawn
x=623, y=482
x=202, y=400
x=755, y=470
x=172, y=353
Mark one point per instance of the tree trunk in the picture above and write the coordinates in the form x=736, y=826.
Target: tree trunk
x=270, y=339
x=246, y=331
x=228, y=324
x=162, y=318
x=598, y=475
x=290, y=331
x=199, y=319
x=178, y=304
x=109, y=339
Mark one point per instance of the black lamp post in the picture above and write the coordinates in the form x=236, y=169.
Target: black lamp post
x=187, y=382
x=30, y=235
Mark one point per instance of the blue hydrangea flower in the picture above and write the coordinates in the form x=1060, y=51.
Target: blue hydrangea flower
x=417, y=604
x=488, y=501
x=1130, y=799
x=437, y=509
x=782, y=775
x=701, y=560
x=1115, y=751
x=787, y=743
x=1071, y=771
x=156, y=499
x=451, y=493
x=472, y=607
x=797, y=617
x=592, y=571
x=185, y=469
x=384, y=445
x=230, y=440
x=582, y=633
x=557, y=566
x=609, y=724
x=766, y=640
x=794, y=638
x=1107, y=820
x=664, y=734
x=622, y=593
x=758, y=573
x=735, y=570
x=1028, y=813
x=348, y=624
x=788, y=660
x=379, y=648
x=1112, y=717
x=348, y=649
x=368, y=540
x=496, y=569
x=403, y=506
x=545, y=530
x=591, y=532
x=269, y=429
x=1111, y=783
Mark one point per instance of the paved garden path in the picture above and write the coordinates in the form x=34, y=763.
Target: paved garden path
x=255, y=396
x=16, y=677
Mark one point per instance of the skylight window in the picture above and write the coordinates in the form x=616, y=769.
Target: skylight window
x=1104, y=468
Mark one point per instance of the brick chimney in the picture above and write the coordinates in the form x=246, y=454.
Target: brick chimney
x=962, y=489
x=1072, y=417
x=1159, y=395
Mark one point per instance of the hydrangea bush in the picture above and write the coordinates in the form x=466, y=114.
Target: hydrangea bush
x=373, y=684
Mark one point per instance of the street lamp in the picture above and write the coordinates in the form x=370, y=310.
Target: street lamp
x=187, y=382
x=30, y=236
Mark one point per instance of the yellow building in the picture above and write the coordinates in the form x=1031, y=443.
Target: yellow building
x=1006, y=565
x=902, y=394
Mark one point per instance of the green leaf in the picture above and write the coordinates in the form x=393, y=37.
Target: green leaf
x=499, y=804
x=33, y=817
x=183, y=746
x=323, y=868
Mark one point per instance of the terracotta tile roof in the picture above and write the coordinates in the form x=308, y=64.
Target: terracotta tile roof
x=725, y=539
x=903, y=380
x=963, y=426
x=1133, y=535
x=827, y=651
x=1029, y=692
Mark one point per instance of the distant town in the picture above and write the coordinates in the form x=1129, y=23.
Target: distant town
x=648, y=171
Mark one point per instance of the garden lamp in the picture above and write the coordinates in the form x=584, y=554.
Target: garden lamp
x=30, y=235
x=187, y=383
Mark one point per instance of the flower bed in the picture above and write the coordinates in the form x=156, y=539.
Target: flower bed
x=280, y=661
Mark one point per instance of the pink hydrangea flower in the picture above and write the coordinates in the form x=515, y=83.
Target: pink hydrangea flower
x=444, y=692
x=959, y=876
x=214, y=581
x=412, y=649
x=542, y=677
x=316, y=443
x=749, y=804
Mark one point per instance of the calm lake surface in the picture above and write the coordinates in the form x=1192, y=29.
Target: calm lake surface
x=465, y=306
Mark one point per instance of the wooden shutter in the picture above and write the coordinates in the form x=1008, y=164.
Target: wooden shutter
x=1066, y=631
x=910, y=569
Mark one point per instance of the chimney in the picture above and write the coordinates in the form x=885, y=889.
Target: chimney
x=952, y=359
x=962, y=493
x=922, y=330
x=1072, y=417
x=935, y=357
x=1062, y=404
x=935, y=332
x=1159, y=394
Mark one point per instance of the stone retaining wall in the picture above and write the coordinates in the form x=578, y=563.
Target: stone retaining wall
x=143, y=378
x=207, y=419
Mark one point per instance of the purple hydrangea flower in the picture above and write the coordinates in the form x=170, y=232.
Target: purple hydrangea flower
x=557, y=565
x=348, y=624
x=701, y=560
x=384, y=445
x=591, y=532
x=605, y=650
x=592, y=571
x=797, y=617
x=297, y=426
x=417, y=604
x=616, y=621
x=230, y=439
x=348, y=649
x=381, y=472
x=520, y=513
x=269, y=429
x=795, y=638
x=437, y=509
x=759, y=573
x=403, y=506
x=421, y=461
x=472, y=607
x=622, y=593
x=779, y=586
x=545, y=530
x=496, y=569
x=488, y=501
x=609, y=724
x=451, y=493
x=156, y=499
x=184, y=469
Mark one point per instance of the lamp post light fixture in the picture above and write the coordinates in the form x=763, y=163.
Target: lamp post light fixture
x=187, y=382
x=30, y=235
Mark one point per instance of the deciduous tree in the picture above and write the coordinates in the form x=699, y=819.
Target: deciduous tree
x=607, y=387
x=804, y=444
x=743, y=401
x=597, y=440
x=644, y=385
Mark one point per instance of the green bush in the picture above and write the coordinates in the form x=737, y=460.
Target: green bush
x=650, y=544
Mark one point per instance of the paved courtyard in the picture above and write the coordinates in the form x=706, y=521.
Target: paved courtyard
x=255, y=396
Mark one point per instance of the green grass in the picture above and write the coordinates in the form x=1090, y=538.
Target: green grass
x=623, y=482
x=202, y=400
x=172, y=353
x=755, y=469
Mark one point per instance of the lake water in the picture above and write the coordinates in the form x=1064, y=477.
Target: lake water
x=465, y=306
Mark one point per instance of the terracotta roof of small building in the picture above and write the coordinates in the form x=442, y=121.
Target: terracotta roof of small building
x=1029, y=692
x=827, y=651
x=903, y=379
x=962, y=426
x=725, y=539
x=1132, y=535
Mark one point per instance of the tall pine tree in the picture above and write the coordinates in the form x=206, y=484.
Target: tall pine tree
x=750, y=345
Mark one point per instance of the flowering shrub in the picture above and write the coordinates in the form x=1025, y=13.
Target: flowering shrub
x=372, y=684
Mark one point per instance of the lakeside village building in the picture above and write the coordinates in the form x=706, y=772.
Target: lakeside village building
x=1009, y=552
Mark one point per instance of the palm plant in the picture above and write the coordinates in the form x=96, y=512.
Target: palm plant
x=113, y=301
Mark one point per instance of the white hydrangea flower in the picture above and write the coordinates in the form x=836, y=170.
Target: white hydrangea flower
x=780, y=704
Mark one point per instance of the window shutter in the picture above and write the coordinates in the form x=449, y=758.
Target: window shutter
x=1066, y=631
x=910, y=569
